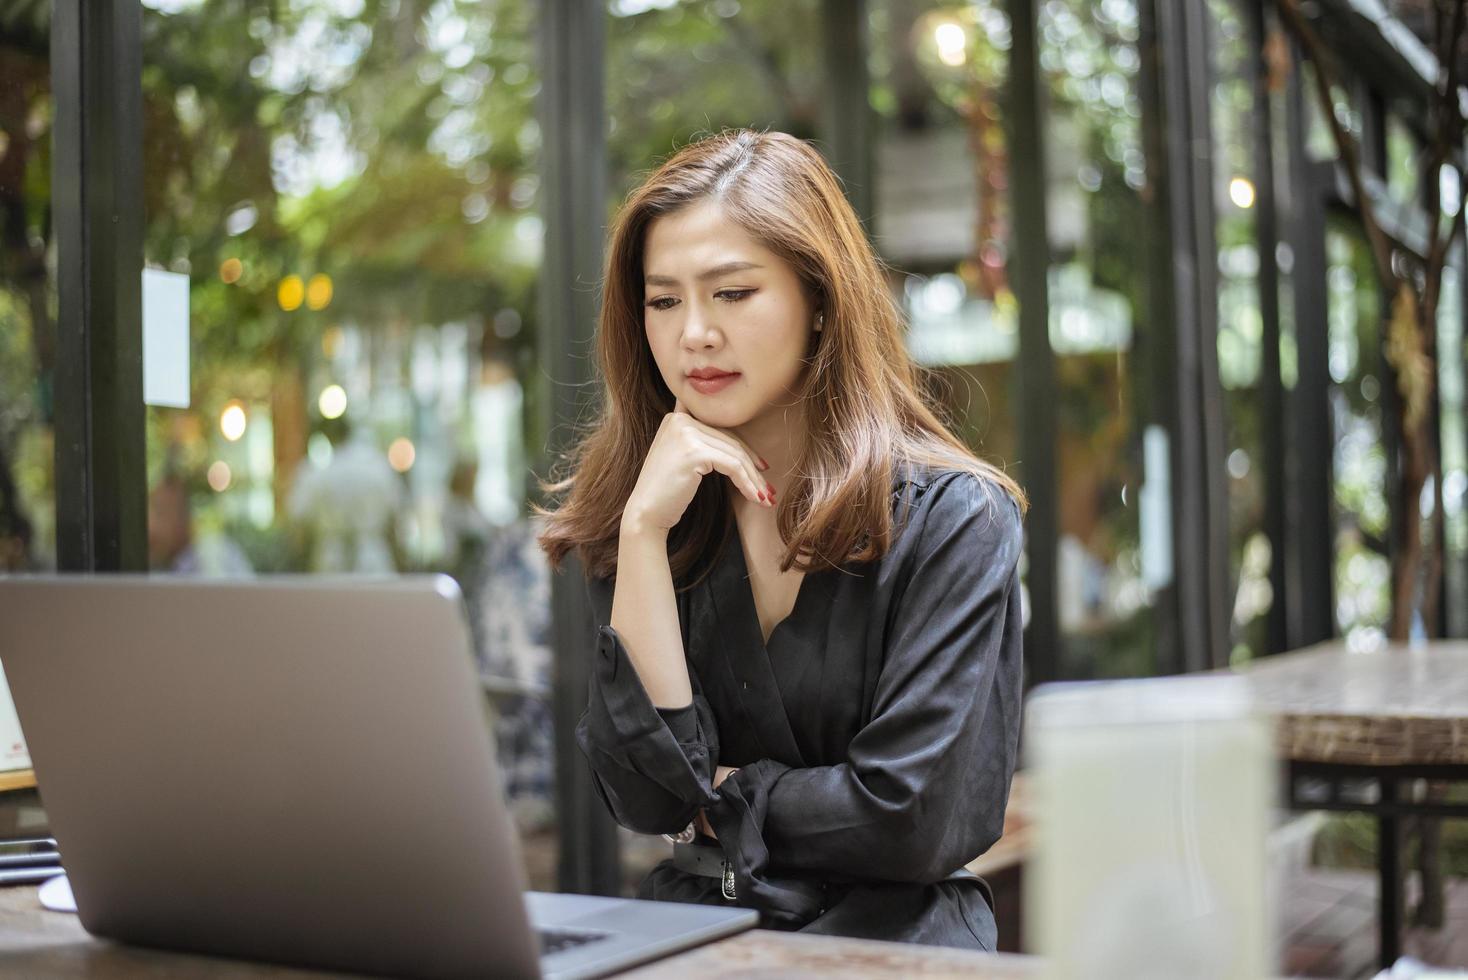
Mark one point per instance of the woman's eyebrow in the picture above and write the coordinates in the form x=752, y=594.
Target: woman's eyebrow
x=719, y=270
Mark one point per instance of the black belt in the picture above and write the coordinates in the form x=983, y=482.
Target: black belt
x=708, y=861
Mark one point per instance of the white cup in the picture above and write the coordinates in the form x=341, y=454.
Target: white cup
x=1151, y=811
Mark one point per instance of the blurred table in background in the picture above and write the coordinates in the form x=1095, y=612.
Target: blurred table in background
x=1357, y=731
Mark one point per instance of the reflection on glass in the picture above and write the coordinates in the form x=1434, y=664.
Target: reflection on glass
x=27, y=296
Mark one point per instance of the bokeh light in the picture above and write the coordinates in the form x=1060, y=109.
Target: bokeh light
x=219, y=476
x=333, y=402
x=400, y=454
x=1241, y=192
x=231, y=269
x=952, y=42
x=318, y=291
x=233, y=421
x=291, y=294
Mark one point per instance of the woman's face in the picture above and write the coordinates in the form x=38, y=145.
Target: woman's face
x=715, y=298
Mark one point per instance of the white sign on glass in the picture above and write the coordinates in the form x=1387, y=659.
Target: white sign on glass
x=165, y=339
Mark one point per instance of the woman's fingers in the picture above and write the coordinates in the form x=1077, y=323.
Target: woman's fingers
x=737, y=446
x=737, y=468
x=735, y=443
x=680, y=409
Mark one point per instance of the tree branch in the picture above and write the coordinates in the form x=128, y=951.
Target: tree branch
x=1350, y=154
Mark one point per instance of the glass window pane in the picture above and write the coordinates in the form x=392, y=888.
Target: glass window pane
x=676, y=70
x=1404, y=162
x=939, y=87
x=1319, y=139
x=1240, y=328
x=351, y=192
x=1111, y=452
x=943, y=222
x=1363, y=519
x=27, y=295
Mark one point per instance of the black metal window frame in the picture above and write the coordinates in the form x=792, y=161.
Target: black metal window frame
x=97, y=200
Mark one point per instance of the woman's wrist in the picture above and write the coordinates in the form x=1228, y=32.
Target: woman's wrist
x=635, y=529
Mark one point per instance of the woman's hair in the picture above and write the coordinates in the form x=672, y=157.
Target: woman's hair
x=865, y=408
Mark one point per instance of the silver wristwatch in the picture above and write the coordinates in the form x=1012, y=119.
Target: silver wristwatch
x=684, y=836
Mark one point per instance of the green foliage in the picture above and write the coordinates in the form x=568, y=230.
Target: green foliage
x=703, y=66
x=1349, y=841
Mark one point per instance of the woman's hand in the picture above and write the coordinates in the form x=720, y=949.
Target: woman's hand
x=721, y=773
x=683, y=452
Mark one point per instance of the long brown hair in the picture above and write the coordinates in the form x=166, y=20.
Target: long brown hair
x=865, y=405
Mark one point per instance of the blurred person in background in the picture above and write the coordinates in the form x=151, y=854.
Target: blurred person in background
x=509, y=613
x=807, y=664
x=348, y=506
x=176, y=546
x=466, y=530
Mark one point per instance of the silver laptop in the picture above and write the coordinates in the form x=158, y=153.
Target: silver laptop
x=294, y=770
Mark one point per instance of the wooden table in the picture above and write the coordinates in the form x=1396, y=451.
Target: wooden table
x=1356, y=730
x=41, y=944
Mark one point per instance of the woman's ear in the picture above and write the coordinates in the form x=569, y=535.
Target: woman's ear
x=820, y=320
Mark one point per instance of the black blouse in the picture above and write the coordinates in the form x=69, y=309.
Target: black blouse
x=875, y=733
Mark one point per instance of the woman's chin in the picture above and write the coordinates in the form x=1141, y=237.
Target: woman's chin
x=716, y=410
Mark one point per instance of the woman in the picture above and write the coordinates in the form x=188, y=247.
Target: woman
x=806, y=588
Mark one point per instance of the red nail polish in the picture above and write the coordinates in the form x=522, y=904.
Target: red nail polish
x=762, y=495
x=763, y=465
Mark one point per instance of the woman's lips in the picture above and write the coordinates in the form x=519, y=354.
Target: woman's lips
x=711, y=386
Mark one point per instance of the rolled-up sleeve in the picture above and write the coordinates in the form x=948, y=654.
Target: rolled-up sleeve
x=652, y=768
x=925, y=782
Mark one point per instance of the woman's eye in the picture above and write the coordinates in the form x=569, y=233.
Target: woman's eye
x=726, y=295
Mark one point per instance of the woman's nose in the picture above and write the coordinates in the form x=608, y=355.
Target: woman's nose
x=698, y=329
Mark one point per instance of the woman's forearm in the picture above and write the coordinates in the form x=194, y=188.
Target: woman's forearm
x=645, y=616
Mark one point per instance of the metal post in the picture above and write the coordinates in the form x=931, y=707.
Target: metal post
x=572, y=114
x=1271, y=383
x=1389, y=894
x=97, y=201
x=1024, y=116
x=1309, y=544
x=1200, y=499
x=1155, y=395
x=846, y=121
